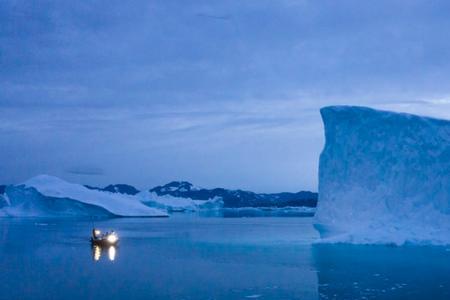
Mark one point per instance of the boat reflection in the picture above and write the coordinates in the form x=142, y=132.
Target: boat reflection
x=98, y=251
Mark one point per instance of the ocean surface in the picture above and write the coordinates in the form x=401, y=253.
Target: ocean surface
x=192, y=257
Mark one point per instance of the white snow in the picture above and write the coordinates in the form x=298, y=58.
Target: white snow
x=5, y=196
x=2, y=201
x=22, y=199
x=384, y=178
x=172, y=203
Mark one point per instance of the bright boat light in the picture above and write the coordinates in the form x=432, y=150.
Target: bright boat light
x=112, y=238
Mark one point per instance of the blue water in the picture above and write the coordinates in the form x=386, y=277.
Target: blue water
x=189, y=257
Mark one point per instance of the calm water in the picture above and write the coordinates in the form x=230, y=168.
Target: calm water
x=188, y=257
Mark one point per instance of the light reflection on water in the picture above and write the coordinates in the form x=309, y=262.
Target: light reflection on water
x=98, y=251
x=112, y=253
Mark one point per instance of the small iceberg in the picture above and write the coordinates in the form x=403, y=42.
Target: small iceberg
x=178, y=204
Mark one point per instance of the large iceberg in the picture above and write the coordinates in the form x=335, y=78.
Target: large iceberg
x=45, y=196
x=384, y=177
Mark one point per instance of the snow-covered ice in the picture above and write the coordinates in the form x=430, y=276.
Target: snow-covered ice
x=171, y=203
x=384, y=177
x=2, y=201
x=46, y=195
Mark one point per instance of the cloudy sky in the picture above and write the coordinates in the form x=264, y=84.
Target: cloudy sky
x=220, y=93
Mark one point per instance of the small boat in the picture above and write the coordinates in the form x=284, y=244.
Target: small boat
x=104, y=239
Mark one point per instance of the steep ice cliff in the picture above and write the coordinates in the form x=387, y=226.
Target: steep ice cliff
x=384, y=177
x=50, y=196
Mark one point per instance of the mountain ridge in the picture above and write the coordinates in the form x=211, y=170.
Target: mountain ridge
x=237, y=198
x=231, y=198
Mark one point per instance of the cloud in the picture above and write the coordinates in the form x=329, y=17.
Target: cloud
x=141, y=89
x=85, y=170
x=212, y=16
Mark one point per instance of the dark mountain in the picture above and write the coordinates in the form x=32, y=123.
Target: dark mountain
x=116, y=188
x=121, y=188
x=2, y=189
x=93, y=187
x=237, y=198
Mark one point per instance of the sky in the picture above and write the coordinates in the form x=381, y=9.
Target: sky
x=219, y=93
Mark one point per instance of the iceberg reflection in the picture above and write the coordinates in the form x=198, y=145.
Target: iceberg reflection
x=382, y=272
